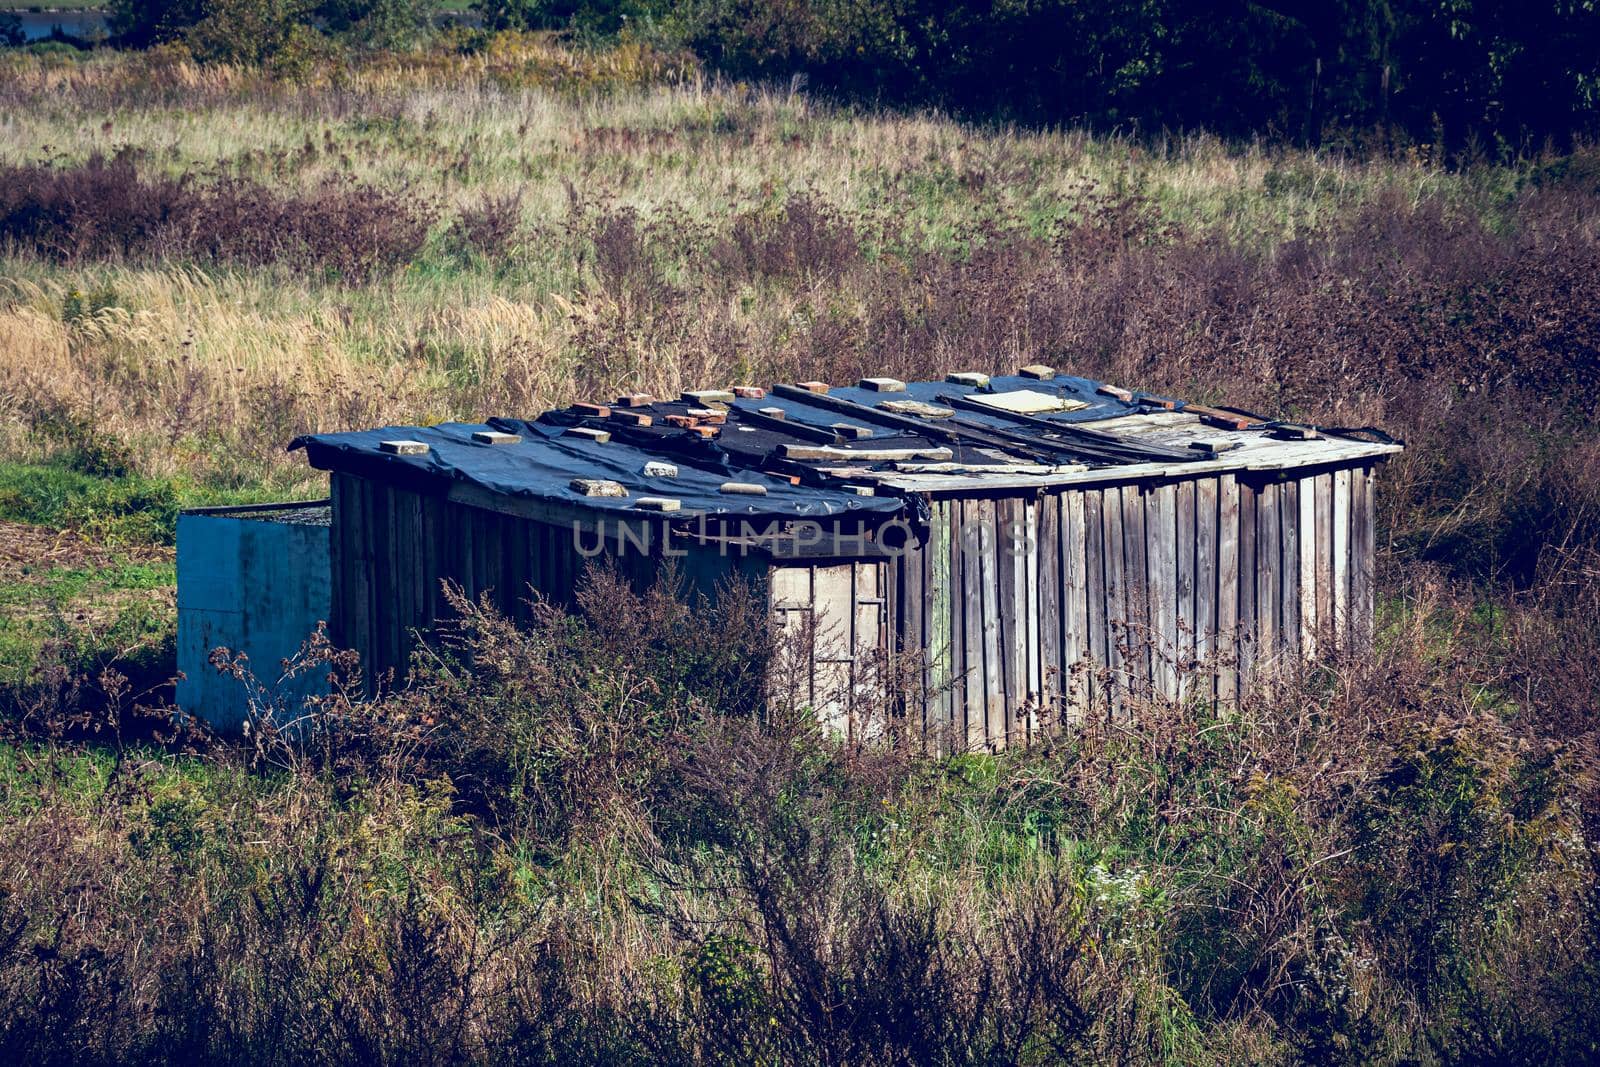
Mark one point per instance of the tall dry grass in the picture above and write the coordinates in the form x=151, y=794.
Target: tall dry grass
x=591, y=839
x=578, y=855
x=643, y=246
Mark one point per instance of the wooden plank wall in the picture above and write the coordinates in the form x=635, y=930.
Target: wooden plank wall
x=393, y=548
x=834, y=652
x=1020, y=613
x=1033, y=611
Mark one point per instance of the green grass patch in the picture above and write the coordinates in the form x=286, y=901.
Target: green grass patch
x=110, y=510
x=61, y=586
x=87, y=623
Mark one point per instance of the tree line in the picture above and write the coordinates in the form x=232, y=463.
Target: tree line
x=1489, y=77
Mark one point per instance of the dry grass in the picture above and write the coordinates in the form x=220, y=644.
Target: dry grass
x=576, y=857
x=623, y=187
x=552, y=849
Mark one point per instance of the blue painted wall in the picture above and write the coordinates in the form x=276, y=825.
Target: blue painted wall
x=250, y=584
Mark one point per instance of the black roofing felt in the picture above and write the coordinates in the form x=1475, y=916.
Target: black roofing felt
x=545, y=463
x=748, y=447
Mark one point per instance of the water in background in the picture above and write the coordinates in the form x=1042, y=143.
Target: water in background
x=95, y=25
x=37, y=25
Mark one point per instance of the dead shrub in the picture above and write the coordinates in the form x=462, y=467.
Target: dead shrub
x=806, y=240
x=106, y=208
x=488, y=228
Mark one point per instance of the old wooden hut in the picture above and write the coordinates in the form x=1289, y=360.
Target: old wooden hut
x=982, y=555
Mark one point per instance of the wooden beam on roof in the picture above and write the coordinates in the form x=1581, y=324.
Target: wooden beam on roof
x=863, y=455
x=917, y=408
x=1092, y=443
x=800, y=430
x=941, y=430
x=992, y=468
x=1229, y=420
x=1279, y=456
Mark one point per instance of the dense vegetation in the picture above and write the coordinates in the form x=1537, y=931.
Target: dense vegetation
x=1474, y=78
x=590, y=840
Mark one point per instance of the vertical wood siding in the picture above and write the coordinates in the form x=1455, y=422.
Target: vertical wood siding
x=393, y=548
x=1045, y=609
x=1016, y=614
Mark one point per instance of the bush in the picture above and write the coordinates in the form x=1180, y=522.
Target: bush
x=488, y=228
x=104, y=208
x=267, y=31
x=562, y=727
x=591, y=840
x=584, y=842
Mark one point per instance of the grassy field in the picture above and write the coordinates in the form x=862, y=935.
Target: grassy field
x=565, y=851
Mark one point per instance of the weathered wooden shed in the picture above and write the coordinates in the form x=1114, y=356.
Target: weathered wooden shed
x=1033, y=546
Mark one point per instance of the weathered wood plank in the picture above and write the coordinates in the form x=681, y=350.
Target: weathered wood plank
x=1136, y=575
x=414, y=581
x=434, y=558
x=1289, y=577
x=409, y=578
x=1184, y=543
x=789, y=603
x=1052, y=604
x=1249, y=623
x=869, y=705
x=940, y=624
x=1012, y=627
x=1205, y=585
x=1326, y=642
x=338, y=558
x=833, y=602
x=1096, y=597
x=1028, y=575
x=1306, y=488
x=907, y=647
x=1077, y=643
x=358, y=635
x=543, y=542
x=1363, y=559
x=994, y=686
x=1161, y=580
x=461, y=520
x=373, y=543
x=358, y=618
x=515, y=566
x=1269, y=563
x=1341, y=558
x=341, y=560
x=971, y=534
x=1116, y=599
x=377, y=496
x=495, y=559
x=1227, y=603
x=891, y=695
x=390, y=610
